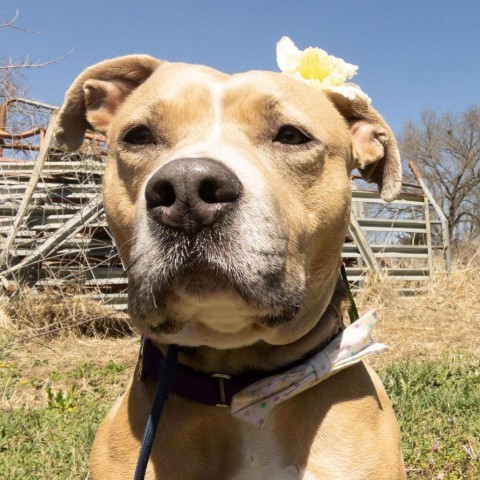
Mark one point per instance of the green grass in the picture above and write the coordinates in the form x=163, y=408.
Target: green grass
x=52, y=438
x=48, y=442
x=437, y=404
x=438, y=408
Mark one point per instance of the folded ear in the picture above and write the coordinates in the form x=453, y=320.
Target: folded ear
x=95, y=95
x=374, y=146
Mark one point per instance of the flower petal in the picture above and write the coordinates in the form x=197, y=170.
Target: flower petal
x=351, y=91
x=287, y=55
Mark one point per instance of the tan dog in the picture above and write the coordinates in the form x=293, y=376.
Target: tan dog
x=229, y=199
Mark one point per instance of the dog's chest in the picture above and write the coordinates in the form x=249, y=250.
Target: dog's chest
x=263, y=458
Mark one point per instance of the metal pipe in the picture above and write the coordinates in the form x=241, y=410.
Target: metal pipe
x=441, y=215
x=33, y=132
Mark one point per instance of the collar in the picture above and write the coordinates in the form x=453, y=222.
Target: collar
x=216, y=389
x=252, y=395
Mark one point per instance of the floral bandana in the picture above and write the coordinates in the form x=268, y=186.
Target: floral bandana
x=316, y=67
x=254, y=403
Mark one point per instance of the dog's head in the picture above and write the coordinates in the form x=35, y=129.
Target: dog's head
x=228, y=195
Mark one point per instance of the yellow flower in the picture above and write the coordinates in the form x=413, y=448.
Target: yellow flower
x=317, y=67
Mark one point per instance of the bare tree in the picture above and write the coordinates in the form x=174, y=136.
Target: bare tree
x=446, y=148
x=11, y=79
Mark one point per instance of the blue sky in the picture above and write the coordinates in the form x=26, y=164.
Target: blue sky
x=412, y=54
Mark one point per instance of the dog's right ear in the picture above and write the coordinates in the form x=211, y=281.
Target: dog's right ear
x=96, y=94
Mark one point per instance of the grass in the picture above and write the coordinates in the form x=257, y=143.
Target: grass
x=50, y=413
x=438, y=408
x=49, y=442
x=54, y=312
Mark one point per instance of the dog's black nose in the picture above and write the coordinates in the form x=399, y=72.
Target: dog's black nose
x=191, y=193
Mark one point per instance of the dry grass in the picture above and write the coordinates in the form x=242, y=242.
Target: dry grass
x=53, y=313
x=428, y=326
x=421, y=327
x=52, y=328
x=34, y=364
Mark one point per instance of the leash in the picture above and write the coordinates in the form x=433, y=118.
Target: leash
x=165, y=381
x=157, y=408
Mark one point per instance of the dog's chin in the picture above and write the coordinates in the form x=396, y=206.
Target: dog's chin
x=203, y=306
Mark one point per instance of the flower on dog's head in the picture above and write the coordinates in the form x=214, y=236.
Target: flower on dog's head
x=317, y=67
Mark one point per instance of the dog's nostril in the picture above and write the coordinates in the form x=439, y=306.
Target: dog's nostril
x=165, y=194
x=213, y=191
x=208, y=191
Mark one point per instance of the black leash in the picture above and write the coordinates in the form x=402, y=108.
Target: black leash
x=165, y=381
x=157, y=407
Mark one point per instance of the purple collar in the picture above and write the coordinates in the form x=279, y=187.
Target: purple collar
x=210, y=389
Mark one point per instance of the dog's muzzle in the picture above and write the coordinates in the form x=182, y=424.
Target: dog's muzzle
x=206, y=233
x=189, y=194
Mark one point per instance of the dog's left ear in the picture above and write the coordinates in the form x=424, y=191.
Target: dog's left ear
x=374, y=146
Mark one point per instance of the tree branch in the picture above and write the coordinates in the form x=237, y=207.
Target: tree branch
x=27, y=64
x=11, y=24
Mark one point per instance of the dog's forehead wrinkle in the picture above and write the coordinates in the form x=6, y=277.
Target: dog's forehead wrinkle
x=273, y=100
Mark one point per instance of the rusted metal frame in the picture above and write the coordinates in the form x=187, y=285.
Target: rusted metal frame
x=25, y=101
x=40, y=131
x=438, y=210
x=404, y=184
x=96, y=138
x=22, y=147
x=4, y=134
x=397, y=223
x=370, y=196
x=365, y=251
x=20, y=136
x=22, y=209
x=395, y=251
x=10, y=101
x=358, y=211
x=399, y=272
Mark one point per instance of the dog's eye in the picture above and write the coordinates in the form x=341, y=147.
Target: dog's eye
x=289, y=135
x=140, y=135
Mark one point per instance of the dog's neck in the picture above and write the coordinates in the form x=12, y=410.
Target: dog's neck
x=263, y=356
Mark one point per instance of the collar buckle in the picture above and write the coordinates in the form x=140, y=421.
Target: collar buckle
x=221, y=388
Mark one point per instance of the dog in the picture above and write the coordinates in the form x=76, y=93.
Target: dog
x=229, y=199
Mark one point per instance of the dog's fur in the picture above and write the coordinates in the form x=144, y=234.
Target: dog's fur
x=254, y=290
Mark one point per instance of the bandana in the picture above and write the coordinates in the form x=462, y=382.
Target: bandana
x=355, y=343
